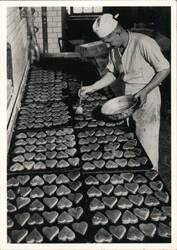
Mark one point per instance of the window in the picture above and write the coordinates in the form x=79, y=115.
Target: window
x=84, y=10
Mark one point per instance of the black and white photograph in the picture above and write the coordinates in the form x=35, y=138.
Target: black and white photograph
x=89, y=125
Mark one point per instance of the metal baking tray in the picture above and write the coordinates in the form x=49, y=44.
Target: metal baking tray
x=42, y=150
x=46, y=202
x=117, y=139
x=112, y=226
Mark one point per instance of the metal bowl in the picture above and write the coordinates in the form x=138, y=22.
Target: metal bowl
x=120, y=107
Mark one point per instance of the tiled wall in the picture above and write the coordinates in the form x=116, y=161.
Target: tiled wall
x=17, y=38
x=54, y=27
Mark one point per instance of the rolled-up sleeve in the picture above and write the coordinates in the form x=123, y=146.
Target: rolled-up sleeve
x=153, y=55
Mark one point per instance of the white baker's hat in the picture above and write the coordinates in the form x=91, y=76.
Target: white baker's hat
x=105, y=25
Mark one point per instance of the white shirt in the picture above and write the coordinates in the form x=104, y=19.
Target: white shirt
x=141, y=60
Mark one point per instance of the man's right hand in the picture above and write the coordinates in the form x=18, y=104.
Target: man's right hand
x=85, y=90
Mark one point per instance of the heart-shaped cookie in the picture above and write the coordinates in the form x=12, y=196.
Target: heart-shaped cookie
x=71, y=151
x=37, y=181
x=16, y=167
x=66, y=234
x=22, y=202
x=144, y=189
x=150, y=201
x=51, y=154
x=124, y=203
x=102, y=236
x=148, y=229
x=103, y=177
x=36, y=193
x=50, y=202
x=35, y=219
x=129, y=218
x=96, y=155
x=116, y=179
x=113, y=215
x=99, y=219
x=29, y=156
x=49, y=178
x=76, y=212
x=50, y=217
x=51, y=163
x=139, y=178
x=19, y=150
x=18, y=158
x=30, y=148
x=73, y=161
x=106, y=189
x=91, y=180
x=29, y=165
x=88, y=166
x=134, y=234
x=162, y=196
x=22, y=218
x=62, y=179
x=49, y=189
x=10, y=222
x=142, y=213
x=65, y=218
x=96, y=204
x=31, y=133
x=50, y=232
x=62, y=164
x=99, y=163
x=12, y=182
x=111, y=164
x=119, y=190
x=34, y=237
x=19, y=235
x=109, y=201
x=94, y=192
x=136, y=199
x=63, y=190
x=64, y=203
x=118, y=231
x=156, y=214
x=36, y=205
x=40, y=149
x=80, y=227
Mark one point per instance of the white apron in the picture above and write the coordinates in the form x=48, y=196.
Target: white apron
x=147, y=121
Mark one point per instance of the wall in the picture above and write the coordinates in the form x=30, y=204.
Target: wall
x=17, y=38
x=54, y=27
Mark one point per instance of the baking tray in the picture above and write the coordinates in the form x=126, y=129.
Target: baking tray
x=110, y=205
x=41, y=116
x=41, y=150
x=44, y=92
x=103, y=147
x=46, y=201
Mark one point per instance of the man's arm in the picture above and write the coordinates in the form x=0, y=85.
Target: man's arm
x=105, y=81
x=157, y=79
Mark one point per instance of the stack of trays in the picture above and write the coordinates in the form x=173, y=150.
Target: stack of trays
x=79, y=178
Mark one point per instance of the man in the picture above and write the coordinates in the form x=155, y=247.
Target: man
x=136, y=60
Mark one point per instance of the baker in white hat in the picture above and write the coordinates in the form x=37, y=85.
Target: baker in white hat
x=136, y=60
